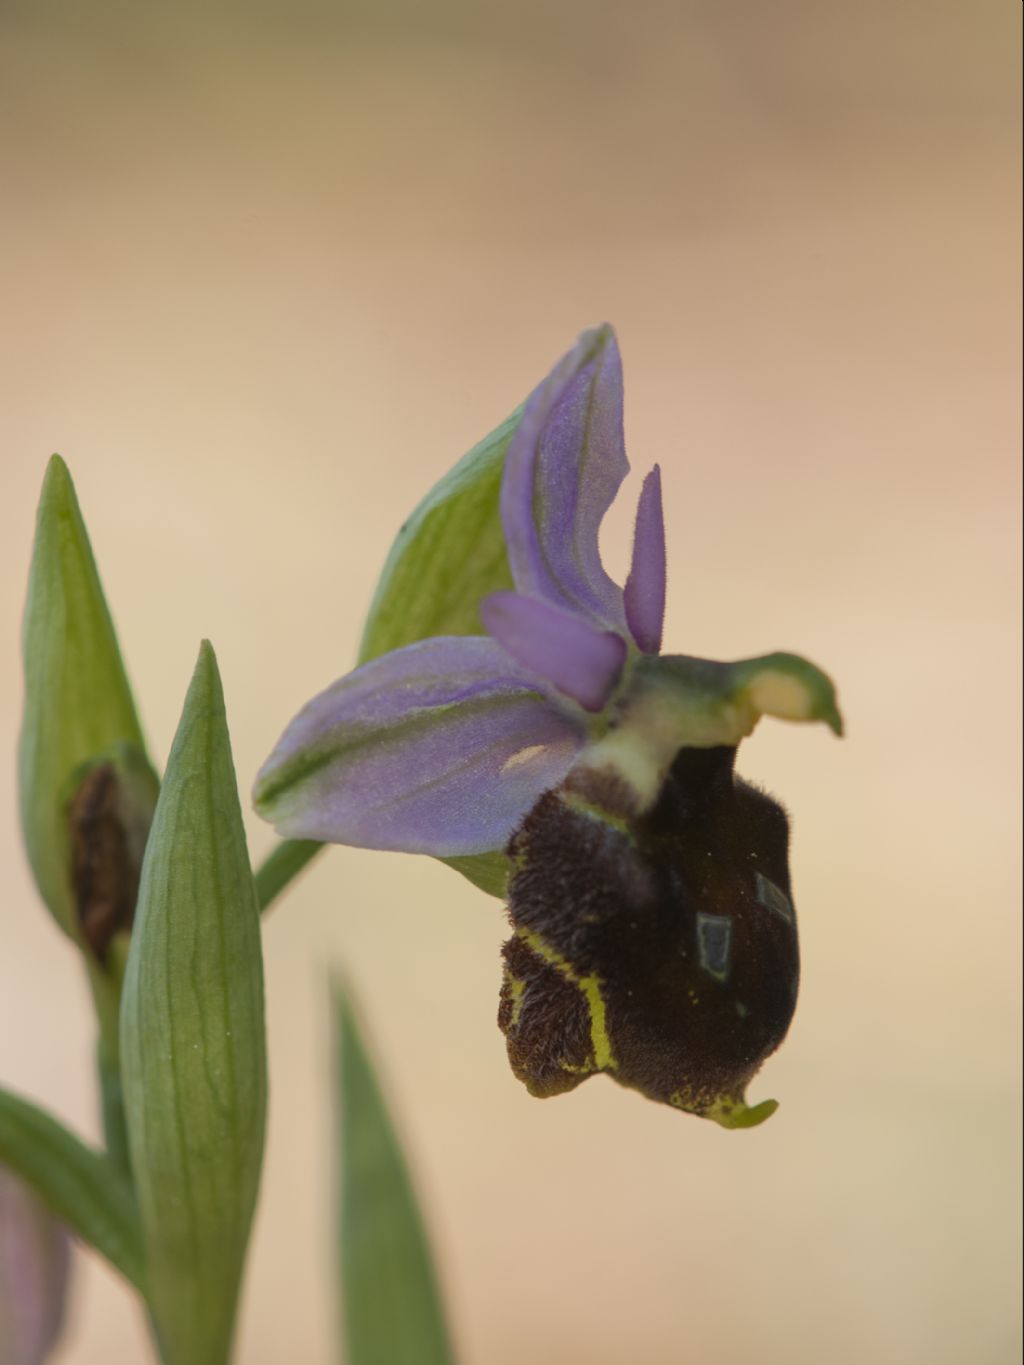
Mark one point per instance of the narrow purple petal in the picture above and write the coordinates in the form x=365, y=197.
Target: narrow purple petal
x=578, y=659
x=562, y=471
x=441, y=747
x=645, y=587
x=34, y=1268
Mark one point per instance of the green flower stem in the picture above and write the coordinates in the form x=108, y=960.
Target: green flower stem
x=281, y=866
x=105, y=984
x=108, y=1068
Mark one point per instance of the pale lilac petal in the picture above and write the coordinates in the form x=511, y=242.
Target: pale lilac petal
x=34, y=1268
x=562, y=471
x=645, y=587
x=441, y=747
x=583, y=662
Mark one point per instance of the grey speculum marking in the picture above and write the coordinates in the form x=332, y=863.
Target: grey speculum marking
x=714, y=940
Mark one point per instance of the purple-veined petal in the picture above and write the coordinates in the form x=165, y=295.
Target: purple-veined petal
x=562, y=471
x=35, y=1258
x=441, y=747
x=644, y=594
x=577, y=658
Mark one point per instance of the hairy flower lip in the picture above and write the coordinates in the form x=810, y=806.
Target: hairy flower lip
x=657, y=947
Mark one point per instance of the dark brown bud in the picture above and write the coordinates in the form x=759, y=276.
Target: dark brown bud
x=109, y=816
x=659, y=948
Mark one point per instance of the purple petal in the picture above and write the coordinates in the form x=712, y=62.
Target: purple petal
x=34, y=1268
x=581, y=661
x=441, y=747
x=562, y=471
x=645, y=587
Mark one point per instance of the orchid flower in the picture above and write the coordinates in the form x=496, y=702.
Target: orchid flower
x=604, y=769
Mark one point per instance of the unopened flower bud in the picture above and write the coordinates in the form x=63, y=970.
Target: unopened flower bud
x=109, y=815
x=79, y=710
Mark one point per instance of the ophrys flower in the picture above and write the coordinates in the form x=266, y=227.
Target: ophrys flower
x=654, y=933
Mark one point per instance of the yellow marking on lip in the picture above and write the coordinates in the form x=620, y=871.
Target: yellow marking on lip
x=590, y=986
x=516, y=990
x=582, y=806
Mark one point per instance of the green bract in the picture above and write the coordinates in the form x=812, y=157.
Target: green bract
x=78, y=704
x=392, y=1312
x=449, y=553
x=192, y=1039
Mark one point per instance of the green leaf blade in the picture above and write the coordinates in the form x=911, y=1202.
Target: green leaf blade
x=84, y=1188
x=393, y=1313
x=193, y=1041
x=78, y=702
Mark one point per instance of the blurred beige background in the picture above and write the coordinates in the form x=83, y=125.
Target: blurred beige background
x=267, y=273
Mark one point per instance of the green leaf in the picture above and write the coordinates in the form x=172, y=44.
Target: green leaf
x=84, y=1188
x=192, y=1038
x=78, y=704
x=392, y=1307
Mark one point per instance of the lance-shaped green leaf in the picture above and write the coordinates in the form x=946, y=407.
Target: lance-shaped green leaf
x=83, y=1187
x=392, y=1311
x=78, y=704
x=192, y=1039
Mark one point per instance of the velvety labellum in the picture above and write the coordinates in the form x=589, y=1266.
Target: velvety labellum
x=660, y=949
